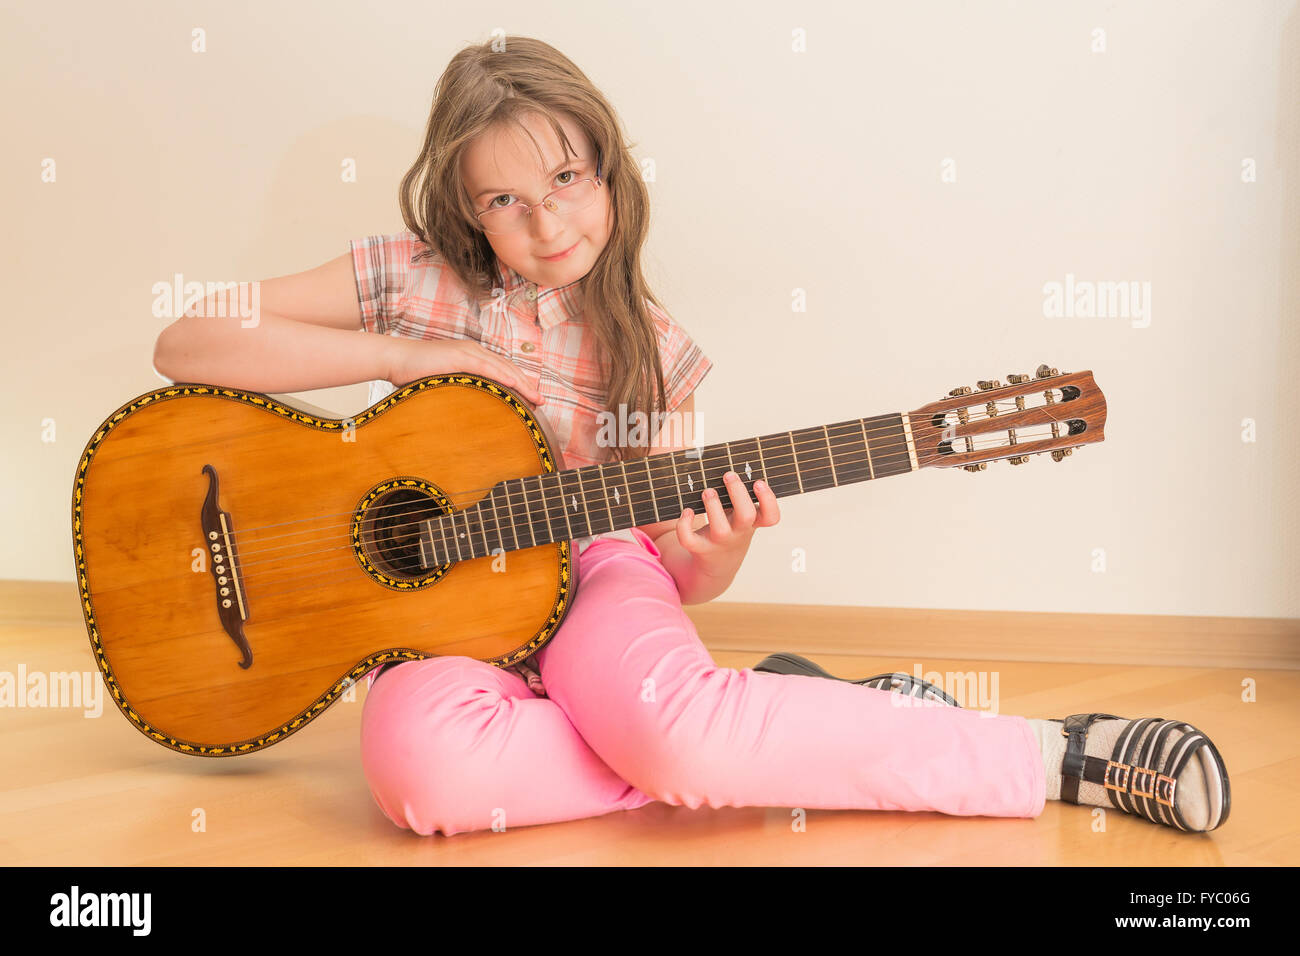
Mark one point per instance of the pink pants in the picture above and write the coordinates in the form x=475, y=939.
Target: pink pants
x=637, y=711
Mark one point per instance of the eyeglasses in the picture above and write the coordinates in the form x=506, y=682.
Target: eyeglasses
x=567, y=199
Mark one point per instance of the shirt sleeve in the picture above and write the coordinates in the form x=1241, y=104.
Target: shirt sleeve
x=382, y=265
x=684, y=362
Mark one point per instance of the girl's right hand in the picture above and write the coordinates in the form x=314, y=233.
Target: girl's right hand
x=410, y=359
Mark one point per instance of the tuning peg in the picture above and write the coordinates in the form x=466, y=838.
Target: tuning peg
x=985, y=385
x=1046, y=371
x=1060, y=453
x=1017, y=379
x=960, y=390
x=980, y=467
x=1018, y=459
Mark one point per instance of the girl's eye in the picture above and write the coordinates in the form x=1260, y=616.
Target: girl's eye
x=492, y=203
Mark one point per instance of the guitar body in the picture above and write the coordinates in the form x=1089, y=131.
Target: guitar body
x=303, y=510
x=243, y=562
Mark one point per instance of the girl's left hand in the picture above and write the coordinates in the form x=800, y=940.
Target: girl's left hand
x=729, y=531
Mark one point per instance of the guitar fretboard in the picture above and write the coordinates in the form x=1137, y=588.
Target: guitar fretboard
x=542, y=509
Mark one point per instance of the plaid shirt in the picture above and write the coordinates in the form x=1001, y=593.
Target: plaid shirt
x=538, y=328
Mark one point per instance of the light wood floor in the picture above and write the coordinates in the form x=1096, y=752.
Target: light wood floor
x=84, y=791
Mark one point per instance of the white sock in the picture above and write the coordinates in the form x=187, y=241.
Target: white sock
x=1051, y=747
x=1191, y=794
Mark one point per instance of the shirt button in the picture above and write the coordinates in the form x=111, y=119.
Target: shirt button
x=531, y=293
x=527, y=347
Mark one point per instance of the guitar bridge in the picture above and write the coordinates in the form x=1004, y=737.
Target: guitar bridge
x=219, y=535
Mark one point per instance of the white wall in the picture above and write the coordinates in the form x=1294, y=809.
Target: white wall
x=775, y=170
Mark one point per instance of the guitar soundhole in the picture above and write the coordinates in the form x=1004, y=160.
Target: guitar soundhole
x=392, y=531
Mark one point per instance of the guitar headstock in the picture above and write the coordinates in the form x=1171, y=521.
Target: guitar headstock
x=1051, y=412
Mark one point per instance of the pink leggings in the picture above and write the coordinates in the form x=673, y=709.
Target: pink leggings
x=637, y=711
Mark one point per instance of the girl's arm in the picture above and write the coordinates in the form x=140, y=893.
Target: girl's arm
x=304, y=331
x=285, y=334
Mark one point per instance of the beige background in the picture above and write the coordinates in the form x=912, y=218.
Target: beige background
x=774, y=170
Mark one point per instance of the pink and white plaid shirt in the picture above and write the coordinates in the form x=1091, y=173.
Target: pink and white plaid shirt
x=405, y=289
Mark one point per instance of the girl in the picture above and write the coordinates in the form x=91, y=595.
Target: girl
x=526, y=215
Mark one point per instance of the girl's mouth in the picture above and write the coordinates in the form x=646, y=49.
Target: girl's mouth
x=562, y=255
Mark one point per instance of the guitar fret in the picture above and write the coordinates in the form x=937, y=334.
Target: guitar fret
x=510, y=513
x=496, y=518
x=475, y=519
x=848, y=453
x=541, y=507
x=794, y=453
x=778, y=473
x=442, y=531
x=713, y=473
x=589, y=482
x=568, y=481
x=528, y=507
x=890, y=454
x=862, y=423
x=564, y=506
x=467, y=516
x=627, y=490
x=553, y=533
x=586, y=512
x=556, y=533
x=746, y=450
x=482, y=527
x=817, y=473
x=625, y=493
x=454, y=540
x=600, y=469
x=654, y=497
x=696, y=498
x=677, y=482
x=830, y=455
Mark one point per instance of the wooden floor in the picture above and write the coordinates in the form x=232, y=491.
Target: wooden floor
x=87, y=791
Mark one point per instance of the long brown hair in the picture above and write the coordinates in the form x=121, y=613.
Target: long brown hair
x=498, y=82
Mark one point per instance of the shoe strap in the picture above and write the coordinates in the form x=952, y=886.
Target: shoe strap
x=1130, y=782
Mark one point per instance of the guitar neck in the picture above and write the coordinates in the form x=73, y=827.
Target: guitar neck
x=566, y=505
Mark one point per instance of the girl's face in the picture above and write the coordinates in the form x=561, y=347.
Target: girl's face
x=500, y=168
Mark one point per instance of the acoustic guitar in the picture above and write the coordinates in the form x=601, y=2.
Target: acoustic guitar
x=242, y=562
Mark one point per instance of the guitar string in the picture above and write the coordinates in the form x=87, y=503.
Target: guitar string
x=635, y=485
x=323, y=578
x=548, y=506
x=881, y=429
x=659, y=471
x=318, y=577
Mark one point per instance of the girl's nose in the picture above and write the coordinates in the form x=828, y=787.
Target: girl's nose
x=544, y=224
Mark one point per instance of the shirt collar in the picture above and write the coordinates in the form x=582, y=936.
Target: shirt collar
x=548, y=305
